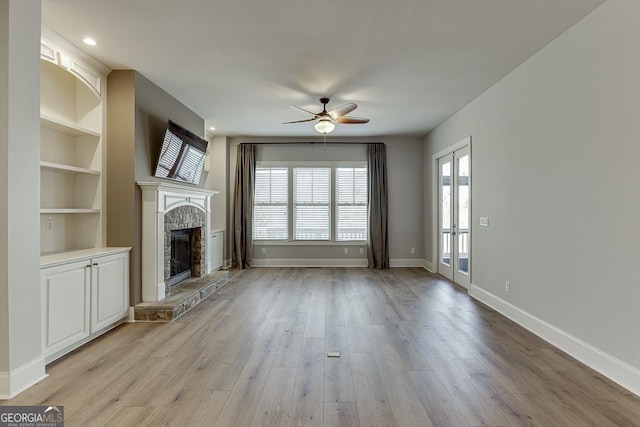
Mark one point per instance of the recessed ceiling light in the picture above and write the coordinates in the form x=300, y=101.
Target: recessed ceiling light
x=212, y=128
x=89, y=41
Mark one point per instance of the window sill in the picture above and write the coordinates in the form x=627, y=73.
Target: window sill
x=309, y=243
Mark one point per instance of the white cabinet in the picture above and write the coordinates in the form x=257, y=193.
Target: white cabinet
x=65, y=299
x=72, y=116
x=216, y=239
x=82, y=297
x=109, y=290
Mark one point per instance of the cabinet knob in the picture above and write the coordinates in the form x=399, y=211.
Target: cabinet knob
x=87, y=266
x=95, y=263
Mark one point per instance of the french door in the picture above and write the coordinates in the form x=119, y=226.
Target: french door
x=454, y=216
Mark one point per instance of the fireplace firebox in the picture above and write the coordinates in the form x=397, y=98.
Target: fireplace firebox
x=181, y=255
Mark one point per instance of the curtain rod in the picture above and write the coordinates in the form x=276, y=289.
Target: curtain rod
x=311, y=143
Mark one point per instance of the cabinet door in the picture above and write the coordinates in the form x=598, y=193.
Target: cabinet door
x=215, y=249
x=65, y=301
x=109, y=290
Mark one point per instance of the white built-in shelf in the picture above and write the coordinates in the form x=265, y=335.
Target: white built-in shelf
x=68, y=128
x=50, y=259
x=72, y=147
x=69, y=211
x=67, y=168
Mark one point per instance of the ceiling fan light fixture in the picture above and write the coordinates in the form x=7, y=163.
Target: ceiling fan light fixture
x=325, y=126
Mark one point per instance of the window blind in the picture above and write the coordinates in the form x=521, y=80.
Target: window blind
x=271, y=201
x=351, y=203
x=312, y=203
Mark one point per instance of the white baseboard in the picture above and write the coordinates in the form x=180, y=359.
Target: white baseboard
x=428, y=265
x=614, y=369
x=296, y=262
x=409, y=262
x=18, y=380
x=301, y=262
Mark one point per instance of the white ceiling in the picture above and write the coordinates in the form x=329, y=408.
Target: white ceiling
x=239, y=64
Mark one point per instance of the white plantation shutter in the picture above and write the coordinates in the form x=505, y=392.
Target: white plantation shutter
x=311, y=203
x=271, y=202
x=298, y=202
x=351, y=203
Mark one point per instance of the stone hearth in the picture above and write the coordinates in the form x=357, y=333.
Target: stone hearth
x=182, y=298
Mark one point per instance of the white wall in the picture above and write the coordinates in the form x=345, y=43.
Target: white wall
x=21, y=362
x=404, y=169
x=217, y=179
x=554, y=157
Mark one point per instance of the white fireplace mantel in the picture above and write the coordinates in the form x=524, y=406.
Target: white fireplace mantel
x=157, y=199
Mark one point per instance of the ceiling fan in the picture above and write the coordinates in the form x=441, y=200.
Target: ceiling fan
x=328, y=119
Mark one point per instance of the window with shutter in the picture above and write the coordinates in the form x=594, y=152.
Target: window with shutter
x=271, y=204
x=351, y=203
x=311, y=203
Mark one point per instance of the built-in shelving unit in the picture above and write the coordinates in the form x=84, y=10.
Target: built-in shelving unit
x=72, y=115
x=84, y=285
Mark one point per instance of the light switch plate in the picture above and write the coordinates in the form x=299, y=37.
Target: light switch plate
x=484, y=221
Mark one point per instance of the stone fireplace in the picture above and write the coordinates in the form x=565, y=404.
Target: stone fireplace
x=168, y=207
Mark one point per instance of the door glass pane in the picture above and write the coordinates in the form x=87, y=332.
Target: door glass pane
x=463, y=214
x=445, y=214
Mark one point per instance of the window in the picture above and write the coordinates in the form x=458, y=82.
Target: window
x=310, y=203
x=351, y=203
x=271, y=203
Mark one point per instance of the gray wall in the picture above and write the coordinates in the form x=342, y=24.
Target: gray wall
x=554, y=158
x=404, y=163
x=153, y=108
x=138, y=111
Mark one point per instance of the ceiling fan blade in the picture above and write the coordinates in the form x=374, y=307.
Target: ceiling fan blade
x=342, y=110
x=300, y=121
x=351, y=120
x=306, y=111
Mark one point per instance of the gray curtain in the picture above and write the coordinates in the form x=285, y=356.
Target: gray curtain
x=243, y=205
x=378, y=237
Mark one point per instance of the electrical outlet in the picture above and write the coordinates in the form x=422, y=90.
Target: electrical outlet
x=49, y=225
x=361, y=251
x=346, y=251
x=264, y=251
x=413, y=251
x=507, y=286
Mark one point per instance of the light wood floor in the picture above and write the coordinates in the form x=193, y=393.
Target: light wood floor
x=415, y=351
